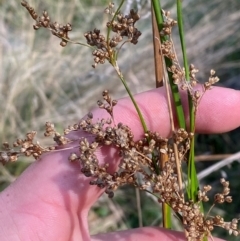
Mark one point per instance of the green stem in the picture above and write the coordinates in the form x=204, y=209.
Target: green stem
x=192, y=175
x=193, y=183
x=174, y=88
x=182, y=38
x=166, y=210
x=131, y=97
x=113, y=62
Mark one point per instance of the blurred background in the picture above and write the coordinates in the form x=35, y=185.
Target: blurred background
x=41, y=81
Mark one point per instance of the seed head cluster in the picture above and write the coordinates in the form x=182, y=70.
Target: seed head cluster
x=178, y=73
x=168, y=24
x=26, y=147
x=140, y=166
x=44, y=21
x=57, y=137
x=124, y=31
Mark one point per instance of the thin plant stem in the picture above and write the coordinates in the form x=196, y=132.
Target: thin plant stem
x=174, y=88
x=157, y=56
x=74, y=42
x=193, y=183
x=139, y=209
x=145, y=129
x=182, y=38
x=158, y=60
x=156, y=8
x=131, y=97
x=113, y=62
x=192, y=174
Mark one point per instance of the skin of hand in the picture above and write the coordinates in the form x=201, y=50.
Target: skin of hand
x=51, y=199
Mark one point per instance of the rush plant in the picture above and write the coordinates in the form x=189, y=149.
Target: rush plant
x=152, y=163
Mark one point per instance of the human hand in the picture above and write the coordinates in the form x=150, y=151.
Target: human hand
x=51, y=199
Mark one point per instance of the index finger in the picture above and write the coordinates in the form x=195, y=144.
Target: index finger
x=142, y=234
x=218, y=111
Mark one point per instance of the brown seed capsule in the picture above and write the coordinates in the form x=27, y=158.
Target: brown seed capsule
x=63, y=43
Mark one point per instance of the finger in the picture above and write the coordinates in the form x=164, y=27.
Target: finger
x=143, y=234
x=50, y=196
x=217, y=112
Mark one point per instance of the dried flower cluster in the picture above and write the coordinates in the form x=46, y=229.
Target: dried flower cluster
x=61, y=31
x=168, y=24
x=139, y=166
x=57, y=137
x=178, y=73
x=28, y=147
x=22, y=147
x=122, y=27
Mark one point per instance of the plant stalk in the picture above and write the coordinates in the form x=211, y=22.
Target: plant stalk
x=131, y=97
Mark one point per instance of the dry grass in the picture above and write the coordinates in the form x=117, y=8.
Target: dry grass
x=41, y=81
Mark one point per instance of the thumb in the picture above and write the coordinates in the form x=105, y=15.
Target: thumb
x=52, y=197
